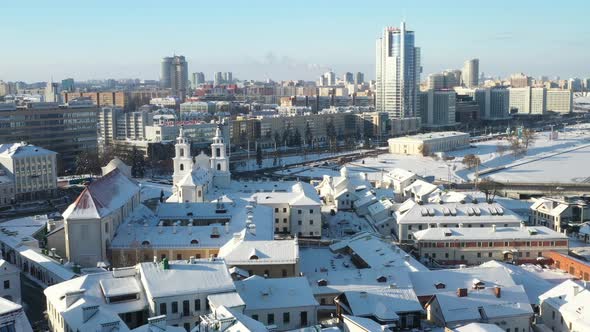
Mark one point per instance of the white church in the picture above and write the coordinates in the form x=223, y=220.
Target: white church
x=195, y=176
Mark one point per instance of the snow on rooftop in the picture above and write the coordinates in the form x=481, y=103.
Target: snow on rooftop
x=212, y=275
x=478, y=327
x=572, y=300
x=275, y=293
x=428, y=283
x=484, y=303
x=229, y=300
x=428, y=136
x=238, y=252
x=119, y=286
x=23, y=150
x=385, y=303
x=103, y=196
x=489, y=233
x=365, y=323
x=457, y=213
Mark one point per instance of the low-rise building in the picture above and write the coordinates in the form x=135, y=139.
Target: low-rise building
x=429, y=143
x=558, y=214
x=507, y=307
x=10, y=278
x=279, y=303
x=270, y=259
x=412, y=217
x=453, y=246
x=12, y=317
x=296, y=212
x=342, y=191
x=575, y=267
x=565, y=308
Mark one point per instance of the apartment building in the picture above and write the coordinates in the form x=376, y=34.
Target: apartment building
x=559, y=213
x=10, y=278
x=565, y=308
x=471, y=246
x=560, y=101
x=66, y=129
x=106, y=98
x=31, y=171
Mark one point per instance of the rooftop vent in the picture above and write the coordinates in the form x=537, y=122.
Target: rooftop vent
x=462, y=292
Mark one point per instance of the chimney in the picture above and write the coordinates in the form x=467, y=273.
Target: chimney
x=407, y=258
x=73, y=296
x=576, y=290
x=88, y=312
x=462, y=292
x=158, y=321
x=521, y=225
x=494, y=228
x=498, y=291
x=155, y=260
x=191, y=260
x=226, y=227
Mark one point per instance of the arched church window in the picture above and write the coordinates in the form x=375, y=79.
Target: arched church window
x=217, y=152
x=182, y=167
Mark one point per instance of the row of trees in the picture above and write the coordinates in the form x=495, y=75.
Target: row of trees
x=90, y=162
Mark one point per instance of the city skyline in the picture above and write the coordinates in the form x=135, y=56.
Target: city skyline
x=89, y=41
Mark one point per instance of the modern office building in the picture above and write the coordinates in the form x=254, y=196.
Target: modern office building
x=528, y=100
x=494, y=103
x=198, y=78
x=228, y=77
x=436, y=81
x=437, y=108
x=397, y=72
x=100, y=99
x=520, y=80
x=348, y=78
x=217, y=78
x=66, y=129
x=359, y=78
x=559, y=100
x=174, y=75
x=68, y=85
x=471, y=73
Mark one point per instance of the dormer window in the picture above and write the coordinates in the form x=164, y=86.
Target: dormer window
x=440, y=285
x=253, y=257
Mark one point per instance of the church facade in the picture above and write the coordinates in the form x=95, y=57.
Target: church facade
x=195, y=176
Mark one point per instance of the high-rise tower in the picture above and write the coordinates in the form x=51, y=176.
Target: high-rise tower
x=398, y=72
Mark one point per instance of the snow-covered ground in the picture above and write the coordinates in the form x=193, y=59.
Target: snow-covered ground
x=250, y=165
x=543, y=162
x=343, y=223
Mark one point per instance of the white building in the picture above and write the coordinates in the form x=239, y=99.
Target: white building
x=271, y=259
x=557, y=213
x=32, y=170
x=93, y=219
x=224, y=319
x=470, y=73
x=10, y=278
x=453, y=246
x=412, y=217
x=437, y=108
x=296, y=211
x=281, y=303
x=194, y=177
x=13, y=318
x=507, y=307
x=528, y=100
x=565, y=308
x=398, y=72
x=429, y=143
x=169, y=292
x=560, y=101
x=342, y=191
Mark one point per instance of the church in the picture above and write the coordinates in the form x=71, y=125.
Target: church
x=195, y=176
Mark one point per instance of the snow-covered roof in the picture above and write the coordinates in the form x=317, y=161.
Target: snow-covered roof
x=300, y=194
x=550, y=206
x=197, y=177
x=384, y=304
x=585, y=228
x=426, y=137
x=240, y=252
x=34, y=255
x=15, y=312
x=275, y=293
x=420, y=188
x=212, y=275
x=366, y=324
x=533, y=284
x=229, y=300
x=478, y=327
x=457, y=213
x=7, y=268
x=400, y=174
x=482, y=303
x=23, y=150
x=380, y=206
x=377, y=252
x=86, y=291
x=141, y=228
x=116, y=163
x=230, y=320
x=428, y=283
x=119, y=286
x=103, y=196
x=489, y=233
x=573, y=302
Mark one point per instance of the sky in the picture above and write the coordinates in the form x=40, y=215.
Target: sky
x=290, y=39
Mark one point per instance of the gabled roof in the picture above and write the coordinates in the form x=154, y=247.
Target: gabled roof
x=260, y=293
x=103, y=196
x=23, y=150
x=385, y=304
x=240, y=252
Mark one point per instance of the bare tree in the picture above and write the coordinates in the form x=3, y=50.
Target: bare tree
x=471, y=160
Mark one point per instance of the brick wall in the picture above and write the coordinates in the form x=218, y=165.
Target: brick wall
x=573, y=266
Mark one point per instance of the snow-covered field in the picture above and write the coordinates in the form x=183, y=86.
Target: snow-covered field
x=543, y=162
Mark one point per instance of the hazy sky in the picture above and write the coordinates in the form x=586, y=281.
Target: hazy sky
x=289, y=39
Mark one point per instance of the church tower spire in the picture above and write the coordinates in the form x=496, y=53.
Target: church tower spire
x=183, y=160
x=219, y=161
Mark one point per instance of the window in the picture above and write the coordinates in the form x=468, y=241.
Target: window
x=310, y=211
x=284, y=210
x=284, y=273
x=433, y=255
x=410, y=227
x=311, y=222
x=187, y=326
x=284, y=220
x=299, y=222
x=182, y=167
x=162, y=308
x=197, y=305
x=298, y=211
x=6, y=284
x=186, y=308
x=255, y=317
x=420, y=227
x=271, y=319
x=277, y=210
x=182, y=152
x=285, y=230
x=178, y=257
x=490, y=254
x=174, y=307
x=276, y=220
x=479, y=255
x=287, y=316
x=106, y=228
x=446, y=255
